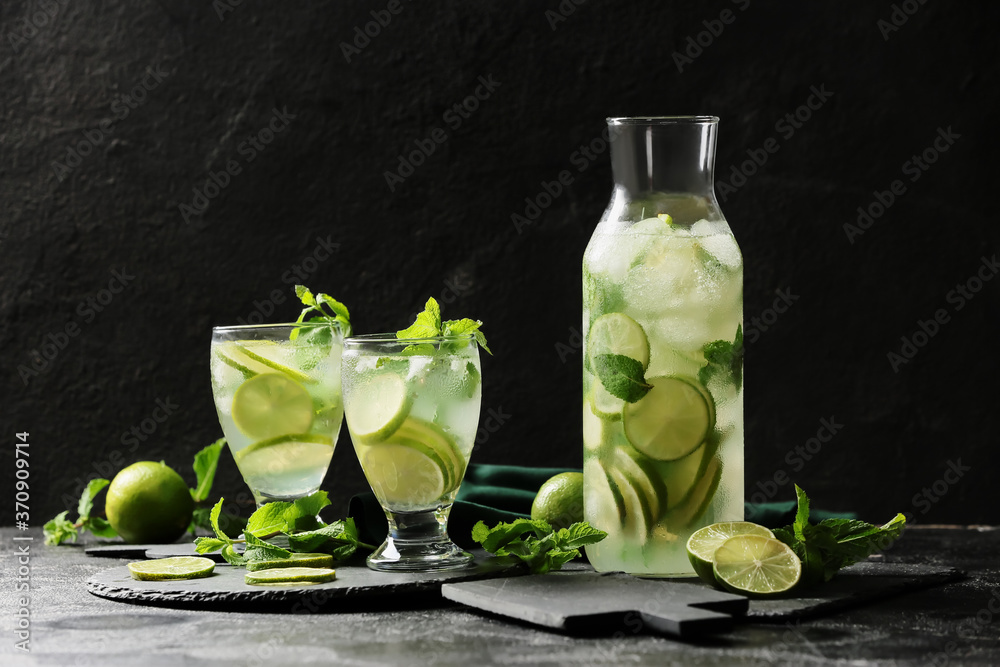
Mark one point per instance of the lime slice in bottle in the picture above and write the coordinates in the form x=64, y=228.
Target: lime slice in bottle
x=177, y=567
x=272, y=404
x=602, y=501
x=377, y=407
x=250, y=363
x=604, y=405
x=295, y=560
x=593, y=429
x=406, y=473
x=671, y=420
x=684, y=515
x=639, y=472
x=617, y=333
x=756, y=565
x=702, y=544
x=290, y=575
x=680, y=476
x=639, y=516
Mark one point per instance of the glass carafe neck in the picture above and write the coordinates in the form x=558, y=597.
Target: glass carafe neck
x=666, y=154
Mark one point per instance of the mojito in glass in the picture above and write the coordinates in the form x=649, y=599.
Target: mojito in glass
x=278, y=396
x=663, y=352
x=412, y=410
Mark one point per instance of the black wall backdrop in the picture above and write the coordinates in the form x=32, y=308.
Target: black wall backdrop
x=124, y=241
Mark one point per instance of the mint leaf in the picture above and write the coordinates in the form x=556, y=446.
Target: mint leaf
x=262, y=547
x=232, y=557
x=86, y=503
x=303, y=516
x=324, y=309
x=100, y=527
x=305, y=296
x=269, y=519
x=426, y=325
x=213, y=522
x=205, y=545
x=59, y=529
x=199, y=519
x=205, y=464
x=535, y=543
x=339, y=539
x=470, y=380
x=622, y=376
x=725, y=359
x=801, y=513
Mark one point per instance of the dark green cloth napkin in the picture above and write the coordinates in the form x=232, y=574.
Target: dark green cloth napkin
x=494, y=493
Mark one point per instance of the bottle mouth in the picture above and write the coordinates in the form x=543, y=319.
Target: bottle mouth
x=662, y=120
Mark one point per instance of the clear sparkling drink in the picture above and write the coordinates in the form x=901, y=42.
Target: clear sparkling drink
x=663, y=359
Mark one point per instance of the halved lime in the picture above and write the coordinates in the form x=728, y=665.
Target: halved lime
x=250, y=363
x=295, y=560
x=378, y=406
x=291, y=575
x=756, y=565
x=702, y=544
x=177, y=567
x=406, y=474
x=671, y=420
x=272, y=404
x=617, y=333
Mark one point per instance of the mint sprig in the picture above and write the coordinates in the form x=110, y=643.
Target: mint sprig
x=297, y=521
x=622, y=376
x=832, y=544
x=725, y=359
x=60, y=529
x=428, y=324
x=321, y=308
x=536, y=543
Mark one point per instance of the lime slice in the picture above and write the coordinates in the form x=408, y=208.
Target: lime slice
x=289, y=441
x=272, y=404
x=671, y=420
x=593, y=429
x=680, y=476
x=604, y=405
x=377, y=407
x=603, y=504
x=702, y=544
x=640, y=473
x=638, y=514
x=406, y=474
x=756, y=565
x=291, y=575
x=684, y=515
x=178, y=567
x=295, y=560
x=617, y=333
x=442, y=444
x=250, y=363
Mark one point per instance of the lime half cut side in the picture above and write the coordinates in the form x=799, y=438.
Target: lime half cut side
x=702, y=544
x=270, y=405
x=290, y=575
x=756, y=565
x=378, y=407
x=617, y=333
x=670, y=421
x=177, y=567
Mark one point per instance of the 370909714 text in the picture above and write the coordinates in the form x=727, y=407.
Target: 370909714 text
x=22, y=584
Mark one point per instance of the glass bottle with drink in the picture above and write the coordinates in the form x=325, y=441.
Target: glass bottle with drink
x=663, y=351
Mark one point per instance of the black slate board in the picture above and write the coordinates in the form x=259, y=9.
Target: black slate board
x=356, y=586
x=586, y=600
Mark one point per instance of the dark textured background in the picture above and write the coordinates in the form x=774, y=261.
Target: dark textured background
x=447, y=228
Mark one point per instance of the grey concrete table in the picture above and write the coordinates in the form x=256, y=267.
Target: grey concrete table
x=957, y=623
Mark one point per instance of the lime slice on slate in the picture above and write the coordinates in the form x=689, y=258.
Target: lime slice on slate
x=177, y=567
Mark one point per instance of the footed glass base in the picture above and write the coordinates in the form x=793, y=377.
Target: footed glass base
x=419, y=542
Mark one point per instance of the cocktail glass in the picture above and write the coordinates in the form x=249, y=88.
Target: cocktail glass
x=412, y=410
x=277, y=393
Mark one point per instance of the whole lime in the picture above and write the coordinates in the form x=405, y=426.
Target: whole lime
x=149, y=503
x=560, y=500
